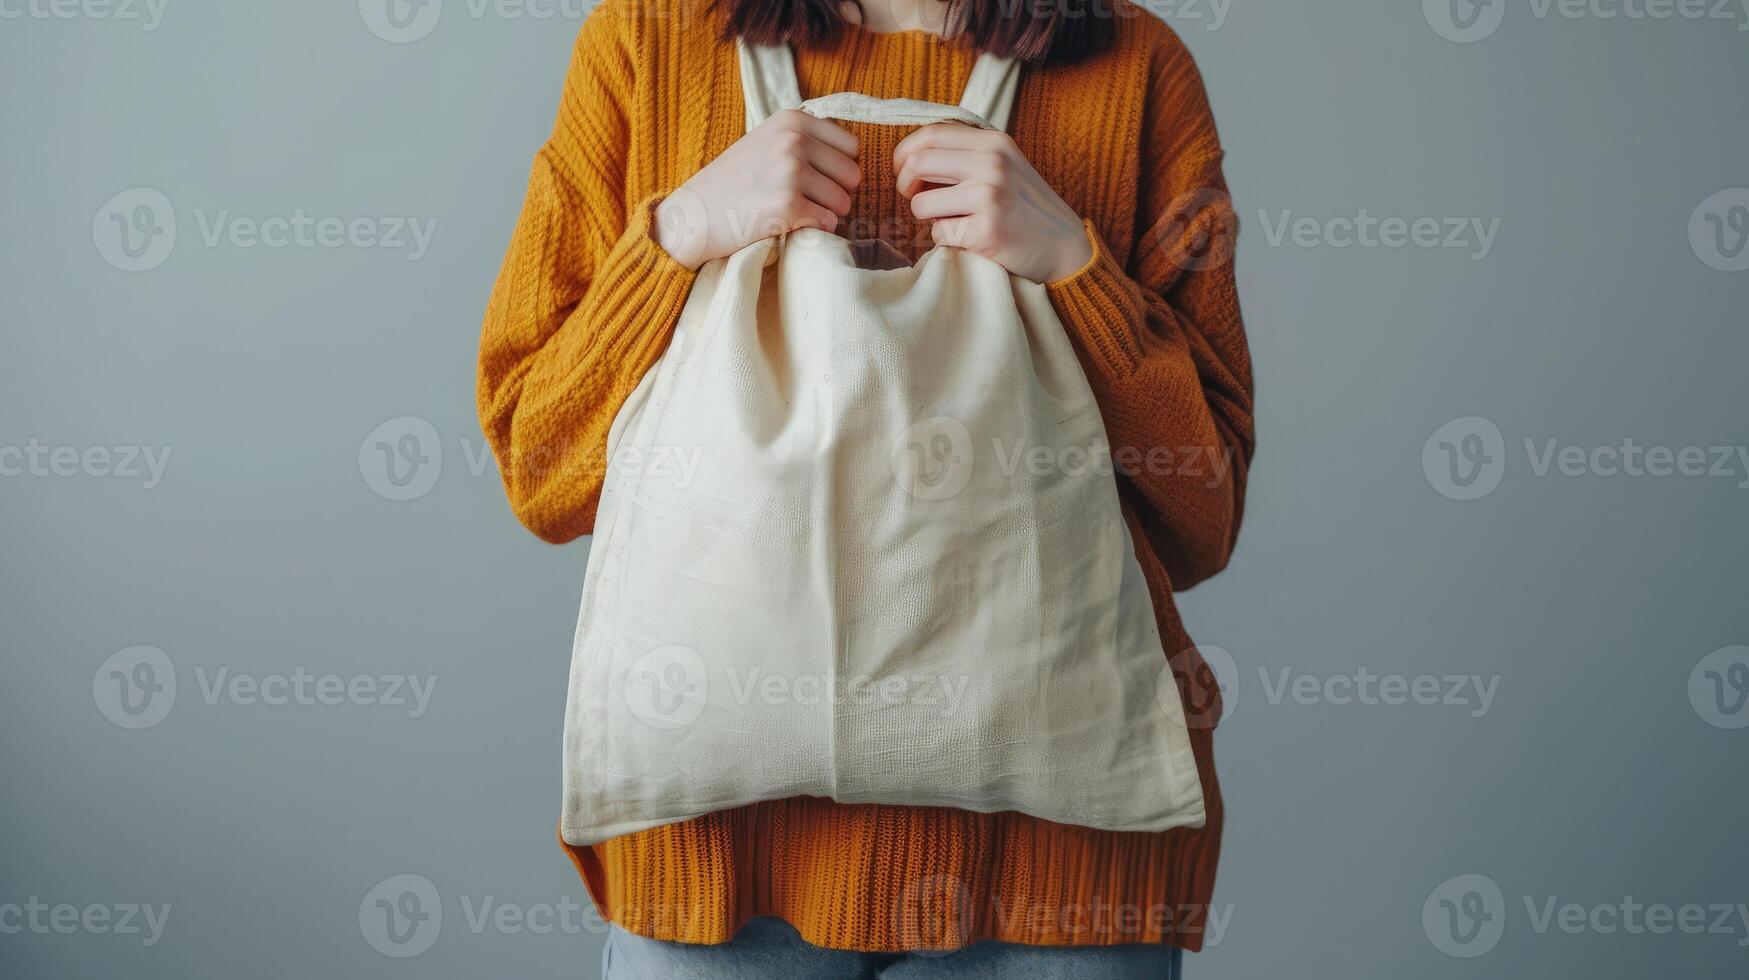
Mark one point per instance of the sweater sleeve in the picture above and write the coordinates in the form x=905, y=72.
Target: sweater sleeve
x=1162, y=339
x=585, y=302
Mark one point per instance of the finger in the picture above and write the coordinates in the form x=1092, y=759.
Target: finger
x=806, y=213
x=823, y=190
x=823, y=130
x=955, y=232
x=951, y=202
x=936, y=166
x=829, y=160
x=796, y=151
x=950, y=136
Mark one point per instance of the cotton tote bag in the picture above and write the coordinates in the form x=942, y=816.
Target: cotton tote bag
x=860, y=539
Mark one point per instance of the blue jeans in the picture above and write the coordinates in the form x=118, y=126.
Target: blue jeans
x=770, y=949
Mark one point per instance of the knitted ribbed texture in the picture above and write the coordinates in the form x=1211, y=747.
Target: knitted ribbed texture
x=586, y=303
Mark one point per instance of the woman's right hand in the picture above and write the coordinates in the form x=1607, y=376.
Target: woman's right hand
x=791, y=171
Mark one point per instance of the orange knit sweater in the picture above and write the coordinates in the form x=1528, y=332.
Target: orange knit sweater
x=586, y=303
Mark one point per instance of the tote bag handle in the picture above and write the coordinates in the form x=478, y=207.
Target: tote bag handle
x=768, y=84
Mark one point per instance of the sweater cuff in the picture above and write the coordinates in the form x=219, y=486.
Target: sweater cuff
x=643, y=284
x=640, y=239
x=1102, y=308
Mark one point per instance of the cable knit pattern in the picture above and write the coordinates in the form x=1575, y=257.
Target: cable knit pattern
x=585, y=305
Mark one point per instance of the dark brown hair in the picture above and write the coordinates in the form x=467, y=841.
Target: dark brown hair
x=1047, y=32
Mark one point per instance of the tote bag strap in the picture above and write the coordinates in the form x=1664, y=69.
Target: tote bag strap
x=990, y=89
x=768, y=81
x=768, y=84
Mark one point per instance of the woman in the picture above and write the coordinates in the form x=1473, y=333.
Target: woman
x=1107, y=188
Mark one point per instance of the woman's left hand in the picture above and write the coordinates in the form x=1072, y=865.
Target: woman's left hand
x=994, y=204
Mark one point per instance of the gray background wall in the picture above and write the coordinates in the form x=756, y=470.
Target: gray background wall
x=1608, y=765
